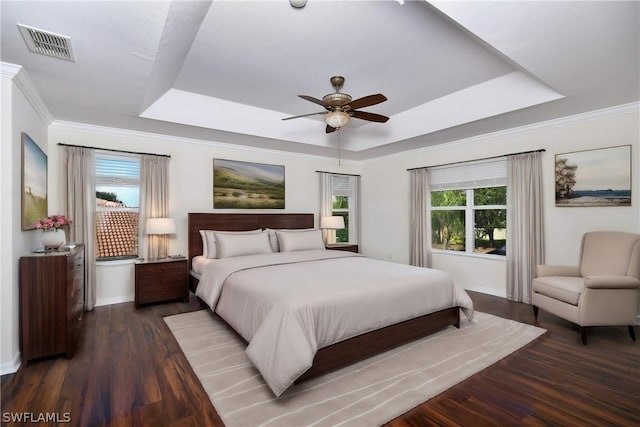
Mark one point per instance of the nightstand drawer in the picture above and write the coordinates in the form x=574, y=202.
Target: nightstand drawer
x=151, y=292
x=349, y=247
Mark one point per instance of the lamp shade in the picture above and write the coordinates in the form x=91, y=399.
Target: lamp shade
x=336, y=119
x=161, y=226
x=332, y=222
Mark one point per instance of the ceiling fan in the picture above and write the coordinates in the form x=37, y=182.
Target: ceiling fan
x=340, y=108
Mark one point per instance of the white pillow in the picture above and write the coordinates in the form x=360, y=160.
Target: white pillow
x=273, y=239
x=300, y=240
x=209, y=247
x=230, y=245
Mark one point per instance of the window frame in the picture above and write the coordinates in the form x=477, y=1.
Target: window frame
x=469, y=218
x=349, y=211
x=117, y=156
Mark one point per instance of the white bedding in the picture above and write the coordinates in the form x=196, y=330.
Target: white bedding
x=287, y=305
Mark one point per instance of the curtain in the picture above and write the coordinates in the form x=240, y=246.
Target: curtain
x=525, y=231
x=154, y=202
x=420, y=223
x=81, y=207
x=326, y=200
x=354, y=208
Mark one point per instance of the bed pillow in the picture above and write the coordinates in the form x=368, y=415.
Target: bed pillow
x=300, y=240
x=230, y=245
x=273, y=239
x=209, y=247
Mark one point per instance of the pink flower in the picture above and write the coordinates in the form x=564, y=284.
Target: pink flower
x=52, y=222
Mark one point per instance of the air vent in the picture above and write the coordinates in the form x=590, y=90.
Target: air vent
x=46, y=43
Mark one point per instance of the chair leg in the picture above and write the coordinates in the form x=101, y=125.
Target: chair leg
x=583, y=334
x=632, y=332
x=535, y=312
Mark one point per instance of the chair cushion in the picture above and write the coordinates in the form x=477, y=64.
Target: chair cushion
x=566, y=289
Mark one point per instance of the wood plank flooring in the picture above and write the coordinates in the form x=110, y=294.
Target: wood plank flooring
x=129, y=371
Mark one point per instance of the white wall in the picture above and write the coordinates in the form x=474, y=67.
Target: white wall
x=21, y=112
x=190, y=180
x=385, y=188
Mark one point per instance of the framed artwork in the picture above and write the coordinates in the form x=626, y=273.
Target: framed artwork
x=247, y=185
x=598, y=177
x=34, y=183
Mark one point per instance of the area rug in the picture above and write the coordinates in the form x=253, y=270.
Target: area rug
x=367, y=393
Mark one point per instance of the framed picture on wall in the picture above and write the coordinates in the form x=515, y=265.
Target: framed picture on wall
x=247, y=185
x=34, y=183
x=598, y=177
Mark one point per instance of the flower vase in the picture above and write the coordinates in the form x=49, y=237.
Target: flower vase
x=53, y=238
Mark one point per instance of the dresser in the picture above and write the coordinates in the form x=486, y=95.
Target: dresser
x=51, y=302
x=161, y=280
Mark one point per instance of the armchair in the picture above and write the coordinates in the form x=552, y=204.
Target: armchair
x=602, y=291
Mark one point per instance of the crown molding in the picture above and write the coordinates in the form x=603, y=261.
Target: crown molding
x=18, y=74
x=158, y=137
x=618, y=110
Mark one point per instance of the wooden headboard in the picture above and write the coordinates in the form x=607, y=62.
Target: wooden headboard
x=240, y=222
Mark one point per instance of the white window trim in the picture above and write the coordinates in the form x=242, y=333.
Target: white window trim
x=469, y=210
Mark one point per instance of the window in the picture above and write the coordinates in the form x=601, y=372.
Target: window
x=469, y=208
x=117, y=206
x=344, y=203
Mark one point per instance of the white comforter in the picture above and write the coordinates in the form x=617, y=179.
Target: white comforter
x=287, y=305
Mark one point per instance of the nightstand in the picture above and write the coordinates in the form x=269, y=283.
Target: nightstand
x=161, y=280
x=349, y=247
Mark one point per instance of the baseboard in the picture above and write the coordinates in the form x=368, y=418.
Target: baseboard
x=115, y=300
x=489, y=291
x=11, y=367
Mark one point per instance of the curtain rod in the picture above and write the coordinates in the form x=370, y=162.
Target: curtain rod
x=339, y=173
x=114, y=150
x=477, y=160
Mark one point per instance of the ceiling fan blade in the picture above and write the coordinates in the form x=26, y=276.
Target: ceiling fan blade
x=304, y=115
x=372, y=117
x=366, y=101
x=330, y=129
x=314, y=100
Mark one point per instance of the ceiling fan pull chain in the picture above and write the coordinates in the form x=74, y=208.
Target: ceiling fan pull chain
x=339, y=149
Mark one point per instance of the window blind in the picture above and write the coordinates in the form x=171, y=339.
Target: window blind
x=117, y=171
x=341, y=185
x=476, y=175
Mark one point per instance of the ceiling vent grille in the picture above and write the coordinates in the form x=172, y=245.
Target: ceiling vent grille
x=46, y=43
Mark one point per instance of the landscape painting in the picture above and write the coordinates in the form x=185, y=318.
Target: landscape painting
x=246, y=185
x=599, y=177
x=34, y=183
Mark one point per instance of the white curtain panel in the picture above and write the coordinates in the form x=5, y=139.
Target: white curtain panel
x=154, y=202
x=354, y=207
x=326, y=199
x=420, y=222
x=525, y=230
x=80, y=203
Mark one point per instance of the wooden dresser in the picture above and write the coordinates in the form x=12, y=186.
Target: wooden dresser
x=51, y=302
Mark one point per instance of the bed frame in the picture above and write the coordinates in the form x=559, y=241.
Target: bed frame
x=339, y=354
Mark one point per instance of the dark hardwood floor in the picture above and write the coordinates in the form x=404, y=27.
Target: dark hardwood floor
x=129, y=371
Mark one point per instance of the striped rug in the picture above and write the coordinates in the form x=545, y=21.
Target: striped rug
x=368, y=393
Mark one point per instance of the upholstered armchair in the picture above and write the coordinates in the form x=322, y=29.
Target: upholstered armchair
x=601, y=291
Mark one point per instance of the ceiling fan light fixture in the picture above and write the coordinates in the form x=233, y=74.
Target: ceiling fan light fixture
x=336, y=119
x=298, y=4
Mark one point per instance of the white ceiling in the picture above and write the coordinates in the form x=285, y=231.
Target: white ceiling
x=229, y=71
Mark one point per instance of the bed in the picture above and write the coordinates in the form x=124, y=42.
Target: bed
x=304, y=313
